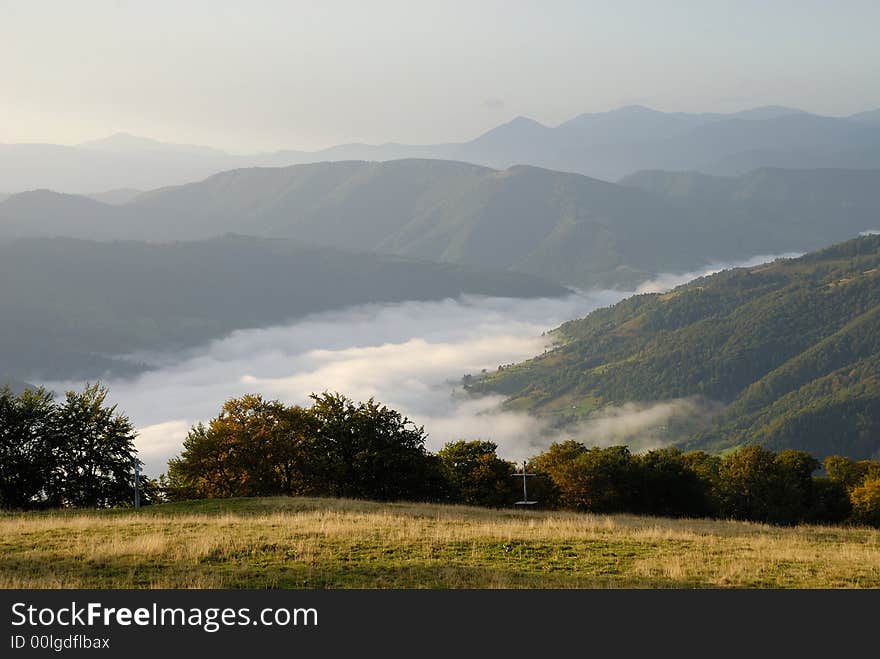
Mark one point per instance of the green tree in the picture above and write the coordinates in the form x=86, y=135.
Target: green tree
x=336, y=447
x=843, y=470
x=707, y=468
x=95, y=455
x=152, y=490
x=556, y=464
x=831, y=503
x=756, y=484
x=28, y=440
x=748, y=484
x=796, y=487
x=591, y=479
x=866, y=502
x=371, y=451
x=254, y=447
x=200, y=471
x=667, y=485
x=476, y=475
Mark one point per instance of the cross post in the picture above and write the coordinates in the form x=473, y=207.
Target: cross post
x=137, y=487
x=525, y=475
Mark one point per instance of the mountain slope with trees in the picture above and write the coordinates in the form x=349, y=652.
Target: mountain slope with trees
x=69, y=305
x=790, y=349
x=565, y=227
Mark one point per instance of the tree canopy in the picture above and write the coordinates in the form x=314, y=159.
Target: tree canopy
x=784, y=354
x=77, y=452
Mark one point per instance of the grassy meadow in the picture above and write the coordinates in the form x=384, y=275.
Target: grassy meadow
x=330, y=543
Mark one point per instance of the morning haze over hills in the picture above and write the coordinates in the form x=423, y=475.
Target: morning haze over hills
x=461, y=294
x=604, y=145
x=122, y=246
x=563, y=227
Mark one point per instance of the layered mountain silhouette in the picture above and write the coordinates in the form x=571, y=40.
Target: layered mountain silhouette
x=565, y=227
x=604, y=145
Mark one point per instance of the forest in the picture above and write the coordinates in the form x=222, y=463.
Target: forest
x=79, y=453
x=788, y=351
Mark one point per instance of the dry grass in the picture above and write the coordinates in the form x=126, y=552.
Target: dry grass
x=327, y=543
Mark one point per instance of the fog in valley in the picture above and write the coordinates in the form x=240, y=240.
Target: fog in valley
x=410, y=356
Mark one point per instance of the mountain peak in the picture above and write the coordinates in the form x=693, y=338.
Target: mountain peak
x=524, y=121
x=519, y=129
x=44, y=197
x=122, y=142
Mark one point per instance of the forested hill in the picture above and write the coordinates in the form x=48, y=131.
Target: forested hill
x=69, y=305
x=777, y=203
x=792, y=348
x=564, y=227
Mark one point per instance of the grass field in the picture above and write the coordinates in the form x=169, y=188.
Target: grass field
x=330, y=543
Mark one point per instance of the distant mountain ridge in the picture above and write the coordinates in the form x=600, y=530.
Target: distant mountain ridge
x=117, y=197
x=122, y=142
x=604, y=145
x=564, y=227
x=791, y=349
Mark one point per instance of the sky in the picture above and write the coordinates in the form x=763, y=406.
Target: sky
x=266, y=75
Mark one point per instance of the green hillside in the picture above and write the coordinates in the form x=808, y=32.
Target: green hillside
x=790, y=348
x=777, y=203
x=564, y=227
x=69, y=305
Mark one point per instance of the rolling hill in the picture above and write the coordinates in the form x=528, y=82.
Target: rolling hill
x=44, y=213
x=791, y=349
x=777, y=200
x=835, y=190
x=69, y=306
x=564, y=227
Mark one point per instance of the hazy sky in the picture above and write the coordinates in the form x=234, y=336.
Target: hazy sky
x=264, y=75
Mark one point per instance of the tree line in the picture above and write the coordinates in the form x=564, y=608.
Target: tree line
x=337, y=447
x=79, y=452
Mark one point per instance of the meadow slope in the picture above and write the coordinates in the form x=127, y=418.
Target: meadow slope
x=331, y=543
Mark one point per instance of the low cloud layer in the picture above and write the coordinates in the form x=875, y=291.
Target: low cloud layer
x=641, y=426
x=668, y=281
x=409, y=356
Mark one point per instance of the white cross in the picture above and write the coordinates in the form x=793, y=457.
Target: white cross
x=525, y=474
